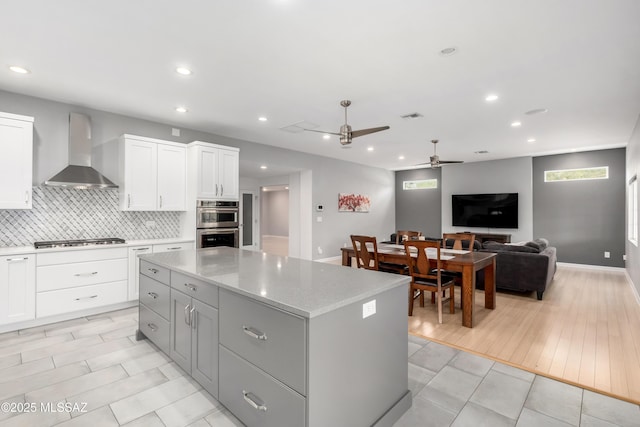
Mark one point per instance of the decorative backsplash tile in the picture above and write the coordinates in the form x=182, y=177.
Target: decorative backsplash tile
x=62, y=214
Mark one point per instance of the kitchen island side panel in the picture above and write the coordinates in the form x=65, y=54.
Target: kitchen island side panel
x=358, y=367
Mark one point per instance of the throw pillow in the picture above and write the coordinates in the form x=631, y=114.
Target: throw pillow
x=533, y=245
x=542, y=242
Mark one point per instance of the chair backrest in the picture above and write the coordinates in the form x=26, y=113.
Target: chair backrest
x=408, y=233
x=458, y=239
x=366, y=250
x=419, y=265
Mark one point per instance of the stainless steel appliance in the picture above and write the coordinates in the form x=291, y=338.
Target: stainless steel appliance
x=77, y=242
x=217, y=224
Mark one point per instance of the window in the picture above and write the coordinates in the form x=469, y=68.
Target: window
x=420, y=184
x=632, y=217
x=601, y=172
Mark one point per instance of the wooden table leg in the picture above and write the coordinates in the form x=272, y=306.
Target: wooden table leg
x=468, y=295
x=346, y=259
x=490, y=285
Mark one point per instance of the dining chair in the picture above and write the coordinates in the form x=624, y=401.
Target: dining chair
x=366, y=251
x=424, y=277
x=410, y=234
x=457, y=241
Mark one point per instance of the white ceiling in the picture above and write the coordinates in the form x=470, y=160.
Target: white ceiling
x=294, y=60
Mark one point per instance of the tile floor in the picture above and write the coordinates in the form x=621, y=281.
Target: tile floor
x=100, y=376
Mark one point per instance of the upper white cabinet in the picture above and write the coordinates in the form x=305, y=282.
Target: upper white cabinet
x=216, y=170
x=152, y=174
x=17, y=288
x=16, y=161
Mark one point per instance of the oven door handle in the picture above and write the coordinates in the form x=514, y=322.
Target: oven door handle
x=206, y=231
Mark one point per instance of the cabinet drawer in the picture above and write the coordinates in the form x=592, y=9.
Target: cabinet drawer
x=154, y=327
x=255, y=397
x=61, y=276
x=80, y=298
x=271, y=339
x=202, y=291
x=155, y=296
x=156, y=272
x=79, y=255
x=168, y=247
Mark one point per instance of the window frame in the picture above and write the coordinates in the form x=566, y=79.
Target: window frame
x=433, y=180
x=546, y=179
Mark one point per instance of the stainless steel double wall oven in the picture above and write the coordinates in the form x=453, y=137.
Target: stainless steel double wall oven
x=217, y=224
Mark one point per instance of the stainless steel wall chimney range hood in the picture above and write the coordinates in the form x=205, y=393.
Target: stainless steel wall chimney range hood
x=79, y=174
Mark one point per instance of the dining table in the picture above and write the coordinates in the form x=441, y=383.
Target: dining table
x=465, y=262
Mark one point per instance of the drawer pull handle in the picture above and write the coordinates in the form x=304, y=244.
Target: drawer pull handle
x=187, y=314
x=191, y=286
x=254, y=333
x=250, y=399
x=152, y=295
x=17, y=259
x=153, y=270
x=141, y=249
x=91, y=297
x=174, y=249
x=152, y=327
x=93, y=273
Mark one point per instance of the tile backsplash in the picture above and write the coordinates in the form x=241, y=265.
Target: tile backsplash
x=62, y=214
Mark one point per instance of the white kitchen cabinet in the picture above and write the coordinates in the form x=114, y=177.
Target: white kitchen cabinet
x=152, y=173
x=168, y=247
x=17, y=288
x=134, y=269
x=216, y=171
x=16, y=161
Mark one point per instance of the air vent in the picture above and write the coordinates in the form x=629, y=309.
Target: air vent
x=412, y=116
x=299, y=127
x=481, y=152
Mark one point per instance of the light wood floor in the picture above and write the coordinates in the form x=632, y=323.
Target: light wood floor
x=586, y=331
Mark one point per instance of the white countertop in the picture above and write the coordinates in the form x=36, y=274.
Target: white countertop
x=302, y=287
x=21, y=250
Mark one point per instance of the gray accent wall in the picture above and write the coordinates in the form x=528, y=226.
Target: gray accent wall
x=582, y=219
x=633, y=168
x=419, y=210
x=318, y=179
x=495, y=176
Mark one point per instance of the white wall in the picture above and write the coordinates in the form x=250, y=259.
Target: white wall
x=496, y=176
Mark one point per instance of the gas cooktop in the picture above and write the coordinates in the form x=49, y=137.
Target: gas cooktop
x=78, y=242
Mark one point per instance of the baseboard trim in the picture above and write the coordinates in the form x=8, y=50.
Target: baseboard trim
x=592, y=267
x=633, y=286
x=330, y=259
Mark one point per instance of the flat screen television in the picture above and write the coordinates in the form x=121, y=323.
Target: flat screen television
x=497, y=210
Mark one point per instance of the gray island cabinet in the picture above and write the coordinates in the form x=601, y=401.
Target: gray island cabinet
x=281, y=341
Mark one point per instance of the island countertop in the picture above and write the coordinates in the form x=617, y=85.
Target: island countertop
x=306, y=288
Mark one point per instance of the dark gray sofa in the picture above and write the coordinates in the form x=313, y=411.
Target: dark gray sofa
x=522, y=268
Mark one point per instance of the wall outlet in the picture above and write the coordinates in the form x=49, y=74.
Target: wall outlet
x=624, y=257
x=368, y=309
x=319, y=219
x=150, y=224
x=607, y=254
x=320, y=250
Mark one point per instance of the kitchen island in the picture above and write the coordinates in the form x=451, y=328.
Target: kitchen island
x=279, y=340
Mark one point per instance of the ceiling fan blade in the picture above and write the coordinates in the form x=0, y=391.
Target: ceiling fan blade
x=450, y=161
x=361, y=132
x=321, y=131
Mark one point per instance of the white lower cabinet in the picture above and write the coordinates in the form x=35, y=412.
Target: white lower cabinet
x=168, y=247
x=17, y=288
x=134, y=269
x=80, y=279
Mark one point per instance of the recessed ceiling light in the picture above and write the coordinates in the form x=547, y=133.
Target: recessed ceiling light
x=181, y=109
x=19, y=70
x=184, y=71
x=516, y=124
x=263, y=167
x=447, y=51
x=536, y=111
x=491, y=98
x=369, y=148
x=400, y=157
x=531, y=140
x=262, y=119
x=326, y=136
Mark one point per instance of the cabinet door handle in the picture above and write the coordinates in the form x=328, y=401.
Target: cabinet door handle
x=17, y=259
x=91, y=297
x=191, y=287
x=26, y=197
x=250, y=398
x=93, y=273
x=221, y=189
x=187, y=314
x=140, y=249
x=160, y=201
x=192, y=316
x=254, y=333
x=153, y=270
x=152, y=295
x=152, y=326
x=216, y=189
x=128, y=200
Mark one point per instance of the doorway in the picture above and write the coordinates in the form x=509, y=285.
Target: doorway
x=274, y=219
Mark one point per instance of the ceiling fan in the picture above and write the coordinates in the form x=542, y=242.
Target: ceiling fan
x=435, y=161
x=346, y=134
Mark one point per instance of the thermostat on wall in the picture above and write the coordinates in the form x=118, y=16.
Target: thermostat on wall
x=319, y=208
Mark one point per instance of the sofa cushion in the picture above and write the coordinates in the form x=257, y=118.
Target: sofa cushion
x=533, y=245
x=501, y=247
x=542, y=242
